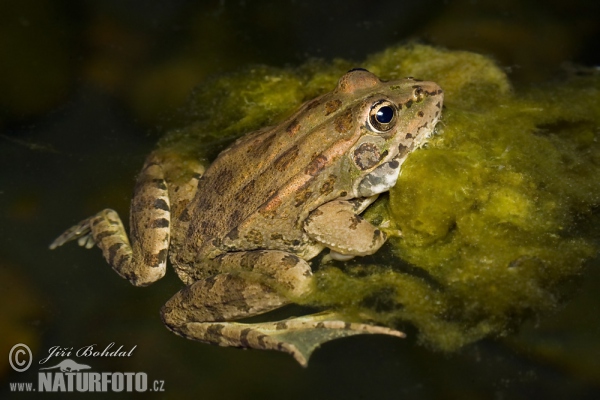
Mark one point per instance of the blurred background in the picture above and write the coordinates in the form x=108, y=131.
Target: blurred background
x=88, y=87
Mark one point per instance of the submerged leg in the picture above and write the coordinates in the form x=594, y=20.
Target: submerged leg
x=202, y=311
x=142, y=261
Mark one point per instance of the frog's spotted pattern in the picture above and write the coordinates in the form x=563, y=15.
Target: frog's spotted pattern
x=328, y=186
x=316, y=165
x=240, y=234
x=293, y=128
x=332, y=106
x=366, y=156
x=344, y=122
x=286, y=159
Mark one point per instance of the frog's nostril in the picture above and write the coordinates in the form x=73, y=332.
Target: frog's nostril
x=418, y=93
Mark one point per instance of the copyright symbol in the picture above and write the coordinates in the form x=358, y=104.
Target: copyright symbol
x=20, y=357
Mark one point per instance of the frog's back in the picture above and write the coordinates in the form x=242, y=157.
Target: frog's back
x=266, y=175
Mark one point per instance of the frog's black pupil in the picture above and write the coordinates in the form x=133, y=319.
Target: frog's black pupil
x=385, y=114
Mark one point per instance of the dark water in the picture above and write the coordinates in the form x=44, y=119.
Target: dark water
x=86, y=88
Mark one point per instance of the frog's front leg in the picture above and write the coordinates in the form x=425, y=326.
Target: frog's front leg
x=203, y=311
x=338, y=226
x=144, y=260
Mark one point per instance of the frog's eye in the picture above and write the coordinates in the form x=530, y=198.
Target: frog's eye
x=382, y=116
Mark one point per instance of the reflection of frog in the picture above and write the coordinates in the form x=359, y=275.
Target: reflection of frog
x=241, y=234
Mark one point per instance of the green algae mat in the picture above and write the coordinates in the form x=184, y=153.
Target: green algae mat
x=499, y=214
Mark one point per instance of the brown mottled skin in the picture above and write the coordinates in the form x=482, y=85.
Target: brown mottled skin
x=240, y=235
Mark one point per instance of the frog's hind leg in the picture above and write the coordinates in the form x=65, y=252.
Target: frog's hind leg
x=203, y=310
x=142, y=261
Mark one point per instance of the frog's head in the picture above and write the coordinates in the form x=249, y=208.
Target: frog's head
x=395, y=118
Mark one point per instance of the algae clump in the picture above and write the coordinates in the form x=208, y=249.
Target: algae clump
x=498, y=214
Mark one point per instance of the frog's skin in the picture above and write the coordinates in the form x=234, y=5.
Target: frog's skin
x=241, y=233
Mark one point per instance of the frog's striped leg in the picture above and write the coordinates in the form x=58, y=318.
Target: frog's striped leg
x=142, y=261
x=202, y=311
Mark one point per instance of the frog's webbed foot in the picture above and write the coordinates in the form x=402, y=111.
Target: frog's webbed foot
x=305, y=334
x=81, y=232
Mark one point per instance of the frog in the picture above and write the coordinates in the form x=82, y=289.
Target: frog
x=241, y=233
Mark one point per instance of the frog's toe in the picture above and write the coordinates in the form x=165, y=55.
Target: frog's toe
x=334, y=255
x=80, y=232
x=87, y=241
